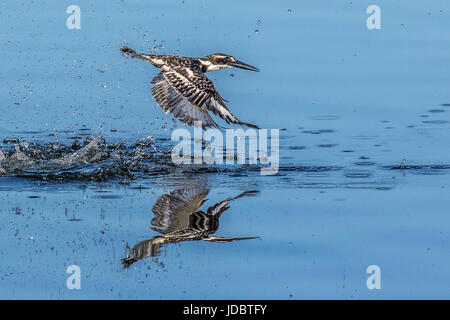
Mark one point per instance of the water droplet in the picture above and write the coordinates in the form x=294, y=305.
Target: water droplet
x=256, y=31
x=258, y=22
x=289, y=10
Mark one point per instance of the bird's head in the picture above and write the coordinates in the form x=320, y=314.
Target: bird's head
x=218, y=61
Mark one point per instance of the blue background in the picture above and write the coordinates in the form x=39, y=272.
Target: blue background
x=339, y=92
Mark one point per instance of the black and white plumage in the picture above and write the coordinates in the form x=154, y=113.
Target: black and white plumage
x=177, y=216
x=182, y=89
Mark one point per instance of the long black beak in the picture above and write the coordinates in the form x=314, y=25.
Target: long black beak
x=242, y=65
x=135, y=54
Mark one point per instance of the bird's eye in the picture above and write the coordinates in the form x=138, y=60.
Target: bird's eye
x=226, y=60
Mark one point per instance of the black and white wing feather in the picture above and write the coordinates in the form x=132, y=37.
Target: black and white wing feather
x=188, y=95
x=220, y=207
x=179, y=97
x=172, y=210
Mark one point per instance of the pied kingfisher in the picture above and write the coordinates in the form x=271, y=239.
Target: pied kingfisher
x=183, y=90
x=178, y=217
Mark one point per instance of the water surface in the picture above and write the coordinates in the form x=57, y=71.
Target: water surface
x=364, y=153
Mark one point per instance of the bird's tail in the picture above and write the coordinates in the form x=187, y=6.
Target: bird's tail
x=129, y=51
x=135, y=54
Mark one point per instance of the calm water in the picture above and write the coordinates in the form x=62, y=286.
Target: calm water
x=86, y=177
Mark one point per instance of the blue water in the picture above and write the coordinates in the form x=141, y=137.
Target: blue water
x=364, y=150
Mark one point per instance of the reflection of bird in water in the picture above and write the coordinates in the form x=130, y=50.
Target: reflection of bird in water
x=183, y=90
x=178, y=218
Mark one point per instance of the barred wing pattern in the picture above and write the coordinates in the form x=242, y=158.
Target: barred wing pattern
x=172, y=210
x=188, y=95
x=178, y=218
x=178, y=103
x=220, y=207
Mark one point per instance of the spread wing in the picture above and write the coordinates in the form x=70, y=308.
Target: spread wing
x=188, y=95
x=172, y=210
x=178, y=98
x=220, y=207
